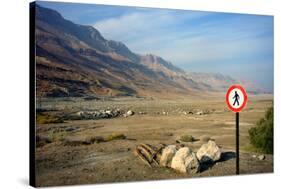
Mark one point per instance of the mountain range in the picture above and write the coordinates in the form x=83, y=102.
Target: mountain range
x=76, y=60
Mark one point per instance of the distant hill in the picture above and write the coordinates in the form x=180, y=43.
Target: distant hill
x=76, y=60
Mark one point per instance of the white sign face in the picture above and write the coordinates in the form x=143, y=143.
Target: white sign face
x=236, y=98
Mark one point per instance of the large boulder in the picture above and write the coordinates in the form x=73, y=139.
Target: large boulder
x=185, y=161
x=167, y=155
x=209, y=152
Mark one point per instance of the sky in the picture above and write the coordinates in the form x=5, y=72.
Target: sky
x=239, y=45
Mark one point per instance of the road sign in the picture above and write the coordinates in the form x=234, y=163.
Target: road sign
x=236, y=99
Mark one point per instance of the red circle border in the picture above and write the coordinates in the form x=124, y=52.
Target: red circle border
x=245, y=98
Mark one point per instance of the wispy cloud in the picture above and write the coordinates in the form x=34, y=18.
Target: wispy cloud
x=143, y=24
x=189, y=37
x=198, y=40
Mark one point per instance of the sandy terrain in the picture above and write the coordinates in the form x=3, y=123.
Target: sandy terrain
x=155, y=121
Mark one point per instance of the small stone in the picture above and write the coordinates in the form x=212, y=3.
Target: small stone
x=129, y=113
x=142, y=113
x=108, y=112
x=200, y=113
x=261, y=157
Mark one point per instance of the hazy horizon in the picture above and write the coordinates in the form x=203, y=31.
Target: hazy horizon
x=239, y=45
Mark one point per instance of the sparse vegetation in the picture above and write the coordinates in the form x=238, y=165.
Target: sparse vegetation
x=187, y=138
x=78, y=140
x=42, y=140
x=261, y=136
x=98, y=139
x=75, y=140
x=57, y=136
x=115, y=136
x=42, y=118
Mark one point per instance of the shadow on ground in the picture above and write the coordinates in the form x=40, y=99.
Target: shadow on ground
x=224, y=157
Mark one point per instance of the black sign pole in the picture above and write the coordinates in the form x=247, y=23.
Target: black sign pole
x=237, y=143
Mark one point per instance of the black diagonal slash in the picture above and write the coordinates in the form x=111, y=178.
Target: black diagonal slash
x=236, y=97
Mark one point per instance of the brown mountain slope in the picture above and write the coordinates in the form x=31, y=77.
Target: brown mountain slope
x=75, y=60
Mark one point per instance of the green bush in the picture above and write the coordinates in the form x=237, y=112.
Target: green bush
x=187, y=138
x=115, y=136
x=42, y=118
x=261, y=136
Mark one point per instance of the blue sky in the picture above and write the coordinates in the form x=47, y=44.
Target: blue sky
x=239, y=45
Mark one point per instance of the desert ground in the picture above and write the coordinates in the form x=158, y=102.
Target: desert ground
x=62, y=160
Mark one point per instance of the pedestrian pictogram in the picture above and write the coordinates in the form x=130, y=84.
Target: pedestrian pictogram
x=236, y=99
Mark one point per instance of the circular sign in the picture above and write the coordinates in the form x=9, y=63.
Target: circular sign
x=236, y=98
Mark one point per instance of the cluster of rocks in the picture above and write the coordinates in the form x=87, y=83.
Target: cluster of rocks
x=187, y=112
x=198, y=112
x=185, y=160
x=104, y=114
x=98, y=114
x=142, y=113
x=260, y=157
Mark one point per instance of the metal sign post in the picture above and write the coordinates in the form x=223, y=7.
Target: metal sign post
x=236, y=99
x=237, y=143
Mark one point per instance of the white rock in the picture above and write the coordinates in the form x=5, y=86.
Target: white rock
x=209, y=152
x=130, y=112
x=185, y=161
x=261, y=157
x=200, y=113
x=80, y=113
x=167, y=155
x=108, y=112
